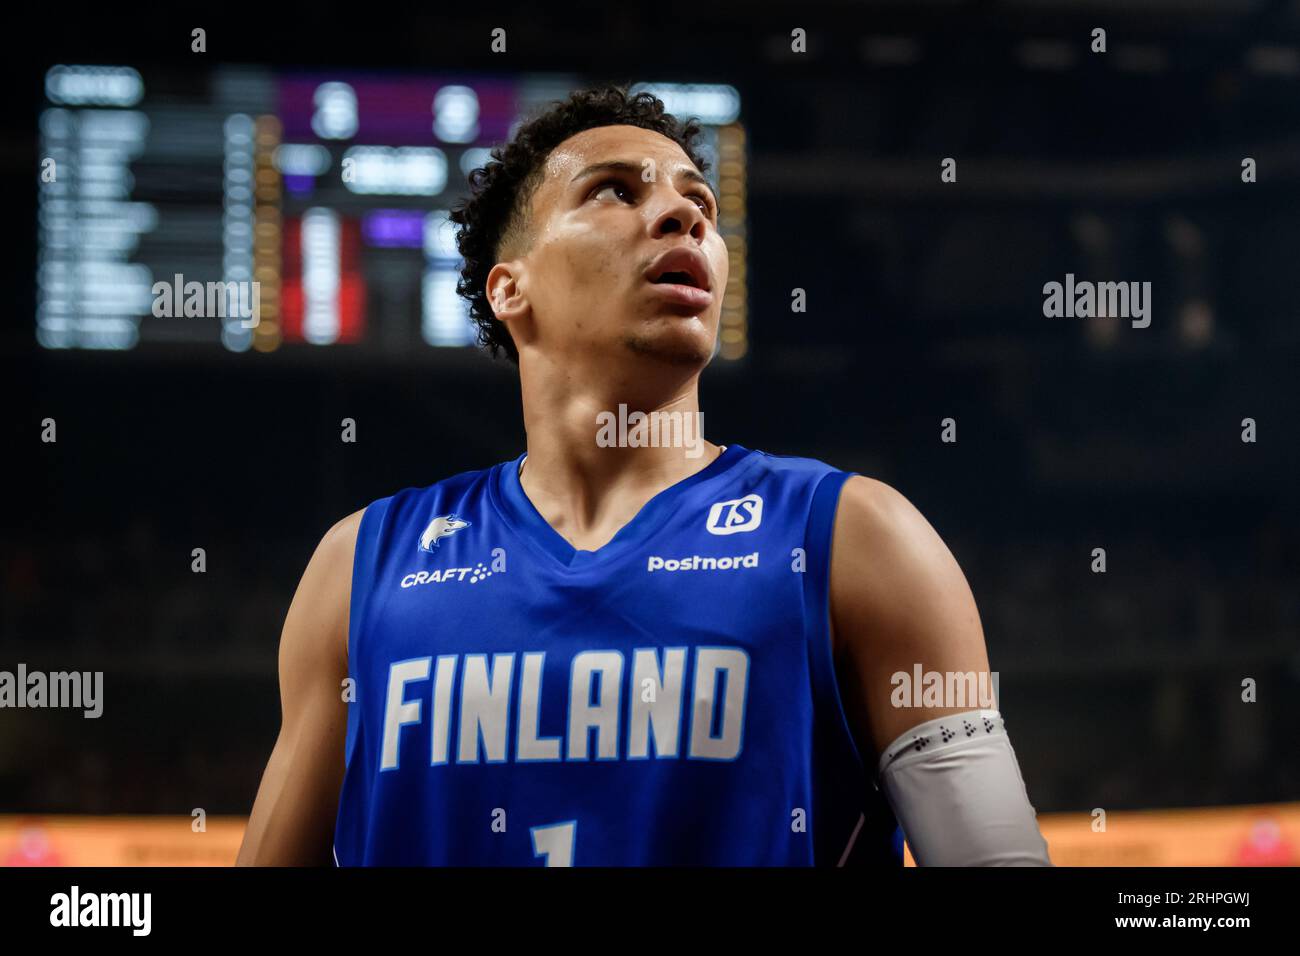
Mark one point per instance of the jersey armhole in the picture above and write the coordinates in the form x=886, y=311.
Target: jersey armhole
x=879, y=838
x=817, y=603
x=364, y=556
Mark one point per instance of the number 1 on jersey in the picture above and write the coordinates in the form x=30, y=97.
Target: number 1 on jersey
x=555, y=842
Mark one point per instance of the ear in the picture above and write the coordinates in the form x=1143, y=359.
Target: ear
x=504, y=294
x=508, y=299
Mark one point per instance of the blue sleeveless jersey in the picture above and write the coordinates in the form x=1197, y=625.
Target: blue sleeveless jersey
x=668, y=699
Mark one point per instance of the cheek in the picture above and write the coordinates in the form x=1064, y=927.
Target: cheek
x=592, y=260
x=590, y=267
x=721, y=266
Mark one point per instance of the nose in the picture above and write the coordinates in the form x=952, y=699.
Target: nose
x=679, y=214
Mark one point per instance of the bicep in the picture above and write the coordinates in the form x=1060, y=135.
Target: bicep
x=293, y=816
x=900, y=603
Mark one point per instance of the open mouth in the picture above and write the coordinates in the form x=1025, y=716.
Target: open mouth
x=677, y=278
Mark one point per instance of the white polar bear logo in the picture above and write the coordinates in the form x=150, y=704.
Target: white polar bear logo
x=443, y=526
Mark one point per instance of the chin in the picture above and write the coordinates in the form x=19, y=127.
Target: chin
x=675, y=343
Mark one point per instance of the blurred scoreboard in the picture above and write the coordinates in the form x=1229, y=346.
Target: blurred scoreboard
x=260, y=209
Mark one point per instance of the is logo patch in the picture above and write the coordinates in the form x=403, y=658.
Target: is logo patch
x=733, y=517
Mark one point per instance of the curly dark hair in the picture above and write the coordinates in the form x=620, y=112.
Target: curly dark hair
x=496, y=213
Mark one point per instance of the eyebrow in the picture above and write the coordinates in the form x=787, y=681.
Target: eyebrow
x=623, y=166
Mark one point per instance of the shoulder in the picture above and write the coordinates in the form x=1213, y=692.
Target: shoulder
x=340, y=540
x=870, y=508
x=316, y=626
x=327, y=581
x=328, y=578
x=368, y=531
x=414, y=502
x=889, y=566
x=880, y=530
x=867, y=508
x=789, y=466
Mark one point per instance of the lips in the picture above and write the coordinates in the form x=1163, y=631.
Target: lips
x=681, y=266
x=684, y=296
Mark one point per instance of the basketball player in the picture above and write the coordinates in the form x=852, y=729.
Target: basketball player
x=627, y=654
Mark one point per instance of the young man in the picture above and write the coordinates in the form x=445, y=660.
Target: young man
x=649, y=655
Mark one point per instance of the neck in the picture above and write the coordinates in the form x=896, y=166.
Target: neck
x=584, y=473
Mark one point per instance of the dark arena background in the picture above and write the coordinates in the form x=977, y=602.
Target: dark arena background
x=898, y=182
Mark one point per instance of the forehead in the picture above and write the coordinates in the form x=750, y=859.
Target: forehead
x=605, y=143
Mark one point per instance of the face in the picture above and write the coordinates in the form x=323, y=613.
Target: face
x=612, y=202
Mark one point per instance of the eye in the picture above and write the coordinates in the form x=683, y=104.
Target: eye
x=614, y=184
x=706, y=203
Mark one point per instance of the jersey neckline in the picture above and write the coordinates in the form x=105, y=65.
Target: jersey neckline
x=521, y=514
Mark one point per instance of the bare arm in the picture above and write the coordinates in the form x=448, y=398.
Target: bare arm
x=292, y=823
x=898, y=599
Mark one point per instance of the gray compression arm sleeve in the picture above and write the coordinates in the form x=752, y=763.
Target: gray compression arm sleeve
x=956, y=790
